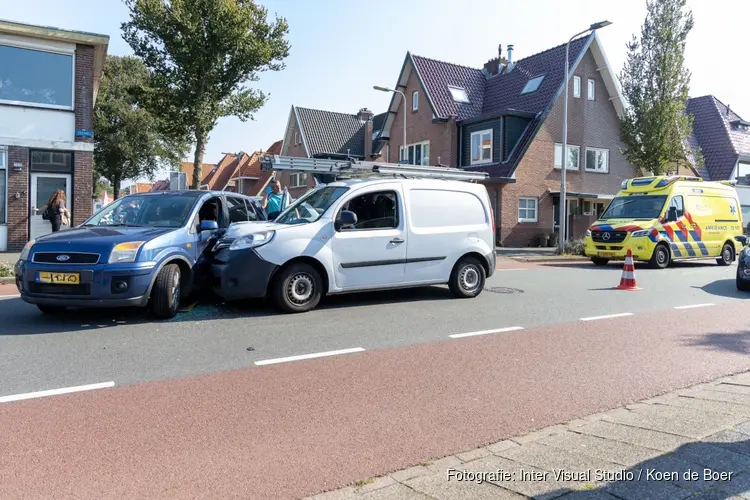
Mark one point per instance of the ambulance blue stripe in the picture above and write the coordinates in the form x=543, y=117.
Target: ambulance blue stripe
x=698, y=241
x=676, y=250
x=689, y=249
x=681, y=236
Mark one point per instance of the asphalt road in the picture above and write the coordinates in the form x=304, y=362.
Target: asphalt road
x=39, y=352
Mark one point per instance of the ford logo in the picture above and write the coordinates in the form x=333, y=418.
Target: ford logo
x=63, y=258
x=605, y=237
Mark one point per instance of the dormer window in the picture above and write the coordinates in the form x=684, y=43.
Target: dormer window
x=532, y=85
x=459, y=94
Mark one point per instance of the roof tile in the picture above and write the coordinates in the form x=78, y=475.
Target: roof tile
x=331, y=132
x=437, y=76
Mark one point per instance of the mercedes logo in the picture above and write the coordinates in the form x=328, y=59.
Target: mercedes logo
x=63, y=258
x=606, y=236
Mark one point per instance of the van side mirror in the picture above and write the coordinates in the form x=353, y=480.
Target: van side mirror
x=742, y=239
x=346, y=218
x=209, y=225
x=672, y=214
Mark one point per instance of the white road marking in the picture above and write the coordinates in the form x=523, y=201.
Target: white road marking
x=606, y=316
x=308, y=356
x=5, y=297
x=485, y=332
x=692, y=306
x=55, y=392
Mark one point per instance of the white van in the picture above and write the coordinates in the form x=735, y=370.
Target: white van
x=362, y=235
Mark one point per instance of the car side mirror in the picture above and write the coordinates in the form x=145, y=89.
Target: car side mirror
x=209, y=225
x=672, y=214
x=742, y=239
x=346, y=218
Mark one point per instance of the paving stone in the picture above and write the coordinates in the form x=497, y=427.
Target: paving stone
x=542, y=487
x=395, y=492
x=714, y=457
x=634, y=435
x=595, y=494
x=708, y=405
x=605, y=449
x=530, y=437
x=575, y=424
x=437, y=486
x=731, y=440
x=342, y=494
x=473, y=454
x=741, y=379
x=410, y=473
x=738, y=487
x=733, y=388
x=551, y=458
x=641, y=490
x=378, y=482
x=670, y=469
x=443, y=464
x=502, y=446
x=729, y=397
x=686, y=422
x=744, y=428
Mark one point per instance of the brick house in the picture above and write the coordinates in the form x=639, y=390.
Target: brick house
x=314, y=133
x=49, y=80
x=506, y=119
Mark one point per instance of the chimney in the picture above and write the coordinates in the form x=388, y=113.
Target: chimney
x=500, y=51
x=365, y=115
x=510, y=54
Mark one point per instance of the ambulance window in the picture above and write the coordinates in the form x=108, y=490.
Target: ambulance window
x=677, y=203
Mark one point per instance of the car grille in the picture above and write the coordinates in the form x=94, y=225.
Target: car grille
x=614, y=236
x=82, y=289
x=73, y=258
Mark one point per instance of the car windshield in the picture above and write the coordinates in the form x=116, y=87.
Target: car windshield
x=311, y=206
x=635, y=207
x=145, y=211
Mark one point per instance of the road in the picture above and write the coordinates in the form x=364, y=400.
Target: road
x=201, y=404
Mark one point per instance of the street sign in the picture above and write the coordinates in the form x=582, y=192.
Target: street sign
x=87, y=134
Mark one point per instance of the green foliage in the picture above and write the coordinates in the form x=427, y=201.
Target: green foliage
x=201, y=55
x=655, y=85
x=131, y=142
x=575, y=247
x=6, y=270
x=100, y=185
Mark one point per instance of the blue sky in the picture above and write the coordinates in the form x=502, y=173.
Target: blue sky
x=340, y=48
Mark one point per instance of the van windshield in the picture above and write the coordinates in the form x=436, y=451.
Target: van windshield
x=635, y=207
x=311, y=206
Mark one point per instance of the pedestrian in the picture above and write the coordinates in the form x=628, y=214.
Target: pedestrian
x=273, y=202
x=56, y=212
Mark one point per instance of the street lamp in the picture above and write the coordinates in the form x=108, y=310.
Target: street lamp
x=563, y=214
x=386, y=89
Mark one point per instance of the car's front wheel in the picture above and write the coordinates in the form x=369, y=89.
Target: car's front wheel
x=297, y=288
x=598, y=261
x=727, y=255
x=467, y=279
x=51, y=309
x=165, y=296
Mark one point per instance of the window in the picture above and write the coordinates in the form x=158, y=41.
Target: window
x=297, y=180
x=527, y=208
x=52, y=161
x=417, y=154
x=3, y=184
x=598, y=209
x=481, y=147
x=597, y=160
x=377, y=210
x=745, y=218
x=576, y=86
x=532, y=85
x=635, y=207
x=676, y=208
x=586, y=207
x=459, y=94
x=592, y=89
x=414, y=100
x=36, y=77
x=574, y=154
x=311, y=206
x=743, y=174
x=296, y=139
x=238, y=211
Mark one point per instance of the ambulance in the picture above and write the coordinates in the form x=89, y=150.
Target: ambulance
x=667, y=218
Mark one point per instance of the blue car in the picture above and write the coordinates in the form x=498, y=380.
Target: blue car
x=143, y=250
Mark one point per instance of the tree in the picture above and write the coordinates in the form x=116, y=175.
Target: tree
x=130, y=141
x=655, y=85
x=101, y=185
x=202, y=54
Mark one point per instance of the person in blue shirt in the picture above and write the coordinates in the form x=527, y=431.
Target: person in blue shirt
x=273, y=200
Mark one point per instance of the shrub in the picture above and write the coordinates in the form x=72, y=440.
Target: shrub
x=577, y=247
x=6, y=270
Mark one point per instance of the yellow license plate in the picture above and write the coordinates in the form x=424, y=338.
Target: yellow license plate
x=605, y=254
x=58, y=278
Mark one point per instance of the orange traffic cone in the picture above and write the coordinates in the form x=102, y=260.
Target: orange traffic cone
x=627, y=281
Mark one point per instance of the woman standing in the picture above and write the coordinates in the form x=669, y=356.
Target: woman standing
x=56, y=212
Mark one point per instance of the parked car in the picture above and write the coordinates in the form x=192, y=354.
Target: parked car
x=743, y=264
x=361, y=235
x=143, y=249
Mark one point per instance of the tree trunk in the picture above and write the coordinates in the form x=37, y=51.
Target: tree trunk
x=115, y=187
x=200, y=147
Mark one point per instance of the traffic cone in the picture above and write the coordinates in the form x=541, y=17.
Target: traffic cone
x=627, y=281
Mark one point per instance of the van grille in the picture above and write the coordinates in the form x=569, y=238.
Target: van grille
x=609, y=236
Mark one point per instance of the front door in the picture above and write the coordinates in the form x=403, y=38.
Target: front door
x=43, y=186
x=556, y=208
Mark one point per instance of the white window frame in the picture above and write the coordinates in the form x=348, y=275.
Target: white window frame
x=4, y=173
x=591, y=207
x=596, y=170
x=480, y=133
x=536, y=209
x=297, y=179
x=415, y=100
x=296, y=138
x=591, y=89
x=44, y=46
x=458, y=90
x=576, y=86
x=425, y=160
x=570, y=147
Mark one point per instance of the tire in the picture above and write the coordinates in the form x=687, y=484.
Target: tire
x=297, y=288
x=727, y=255
x=165, y=296
x=51, y=310
x=467, y=279
x=598, y=261
x=742, y=285
x=661, y=257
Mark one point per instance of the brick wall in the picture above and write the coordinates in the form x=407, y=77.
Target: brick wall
x=590, y=124
x=18, y=182
x=83, y=203
x=84, y=95
x=293, y=146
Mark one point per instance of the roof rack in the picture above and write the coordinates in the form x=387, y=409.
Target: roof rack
x=354, y=168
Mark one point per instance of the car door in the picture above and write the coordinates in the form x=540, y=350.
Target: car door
x=372, y=253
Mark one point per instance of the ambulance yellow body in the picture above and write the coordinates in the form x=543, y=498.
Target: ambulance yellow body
x=666, y=218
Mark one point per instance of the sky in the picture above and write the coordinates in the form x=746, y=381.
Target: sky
x=341, y=48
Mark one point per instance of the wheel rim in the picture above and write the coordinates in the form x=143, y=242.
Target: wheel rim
x=470, y=278
x=175, y=290
x=727, y=254
x=661, y=256
x=300, y=289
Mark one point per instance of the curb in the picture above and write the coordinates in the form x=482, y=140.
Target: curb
x=546, y=260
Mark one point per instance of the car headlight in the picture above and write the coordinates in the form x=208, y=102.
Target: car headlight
x=26, y=251
x=125, y=252
x=252, y=240
x=588, y=232
x=639, y=234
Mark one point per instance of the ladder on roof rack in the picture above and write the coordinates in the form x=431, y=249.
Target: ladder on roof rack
x=354, y=168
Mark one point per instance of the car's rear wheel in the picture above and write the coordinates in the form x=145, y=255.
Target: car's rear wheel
x=727, y=255
x=51, y=309
x=467, y=279
x=165, y=296
x=660, y=258
x=598, y=261
x=297, y=288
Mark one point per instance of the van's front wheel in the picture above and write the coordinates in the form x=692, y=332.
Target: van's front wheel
x=660, y=259
x=297, y=288
x=727, y=255
x=467, y=279
x=598, y=261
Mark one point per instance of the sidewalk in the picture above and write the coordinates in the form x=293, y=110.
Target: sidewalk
x=693, y=443
x=537, y=254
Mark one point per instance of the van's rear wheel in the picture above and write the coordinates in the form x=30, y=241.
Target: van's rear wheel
x=660, y=258
x=297, y=288
x=165, y=296
x=727, y=255
x=598, y=261
x=467, y=279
